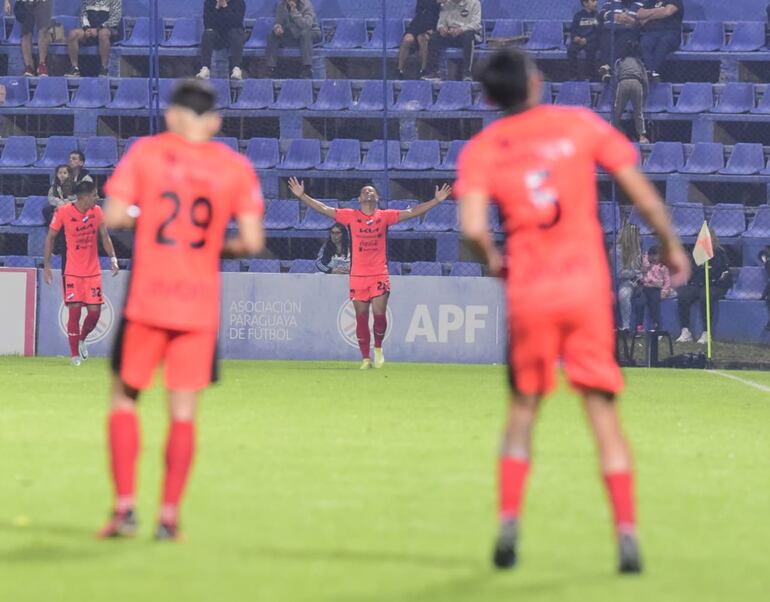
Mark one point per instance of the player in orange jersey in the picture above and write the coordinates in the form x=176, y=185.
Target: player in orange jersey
x=178, y=190
x=369, y=277
x=82, y=222
x=537, y=164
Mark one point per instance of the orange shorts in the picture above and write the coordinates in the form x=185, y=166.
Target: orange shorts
x=366, y=288
x=189, y=357
x=83, y=289
x=583, y=339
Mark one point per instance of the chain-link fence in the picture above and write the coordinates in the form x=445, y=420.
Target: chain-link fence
x=345, y=103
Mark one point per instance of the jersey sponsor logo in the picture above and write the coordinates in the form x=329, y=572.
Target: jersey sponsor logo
x=103, y=327
x=346, y=323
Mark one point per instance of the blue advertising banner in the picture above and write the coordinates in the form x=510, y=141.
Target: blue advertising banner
x=309, y=317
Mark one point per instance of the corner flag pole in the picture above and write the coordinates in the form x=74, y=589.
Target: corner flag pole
x=708, y=312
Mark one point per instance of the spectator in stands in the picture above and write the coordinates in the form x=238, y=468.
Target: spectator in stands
x=628, y=271
x=31, y=13
x=295, y=25
x=764, y=259
x=619, y=25
x=61, y=188
x=655, y=285
x=459, y=26
x=223, y=28
x=419, y=31
x=584, y=37
x=76, y=162
x=720, y=280
x=100, y=21
x=334, y=255
x=632, y=84
x=661, y=34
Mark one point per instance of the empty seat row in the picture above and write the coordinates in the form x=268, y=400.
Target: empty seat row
x=745, y=159
x=21, y=151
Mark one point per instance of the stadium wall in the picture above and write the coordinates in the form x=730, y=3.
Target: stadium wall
x=17, y=311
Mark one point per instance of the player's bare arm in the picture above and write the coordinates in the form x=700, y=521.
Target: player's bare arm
x=107, y=243
x=119, y=215
x=441, y=195
x=653, y=211
x=49, y=240
x=297, y=188
x=474, y=223
x=250, y=239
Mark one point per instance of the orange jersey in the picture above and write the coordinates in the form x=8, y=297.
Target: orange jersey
x=81, y=231
x=186, y=195
x=368, y=239
x=539, y=168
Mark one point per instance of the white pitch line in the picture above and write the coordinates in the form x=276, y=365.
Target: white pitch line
x=745, y=381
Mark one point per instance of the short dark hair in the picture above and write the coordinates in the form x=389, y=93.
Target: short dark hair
x=505, y=78
x=85, y=187
x=79, y=154
x=193, y=94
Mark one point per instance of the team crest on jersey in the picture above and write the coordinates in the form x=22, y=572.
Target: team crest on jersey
x=103, y=327
x=346, y=323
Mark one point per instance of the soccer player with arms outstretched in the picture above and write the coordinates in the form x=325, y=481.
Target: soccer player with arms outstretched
x=178, y=190
x=369, y=277
x=82, y=222
x=538, y=165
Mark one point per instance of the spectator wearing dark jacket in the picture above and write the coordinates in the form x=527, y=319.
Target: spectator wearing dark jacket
x=661, y=22
x=419, y=32
x=619, y=26
x=295, y=25
x=584, y=37
x=223, y=28
x=334, y=256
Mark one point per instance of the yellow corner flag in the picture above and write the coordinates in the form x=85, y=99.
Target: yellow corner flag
x=704, y=249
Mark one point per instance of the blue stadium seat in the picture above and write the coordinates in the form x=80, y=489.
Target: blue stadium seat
x=453, y=96
x=129, y=141
x=747, y=158
x=402, y=205
x=140, y=33
x=606, y=102
x=735, y=98
x=687, y=218
x=51, y=92
x=666, y=157
x=19, y=261
x=422, y=154
x=546, y=35
x=92, y=93
x=546, y=93
x=609, y=216
x=229, y=141
x=371, y=97
x=32, y=212
x=56, y=262
x=317, y=221
x=695, y=97
x=343, y=154
x=132, y=93
x=254, y=94
x=505, y=28
x=230, y=265
x=747, y=36
x=481, y=104
x=260, y=33
x=750, y=284
x=7, y=209
x=101, y=151
x=334, y=95
x=295, y=94
x=2, y=28
x=222, y=88
x=348, y=33
x=16, y=91
x=19, y=151
x=636, y=219
x=303, y=266
x=705, y=157
x=264, y=266
x=706, y=36
x=375, y=157
x=425, y=268
x=660, y=99
x=465, y=268
x=442, y=218
x=415, y=95
x=728, y=220
x=264, y=153
x=302, y=154
x=574, y=93
x=57, y=151
x=395, y=31
x=760, y=225
x=394, y=268
x=165, y=87
x=281, y=215
x=187, y=31
x=14, y=38
x=452, y=154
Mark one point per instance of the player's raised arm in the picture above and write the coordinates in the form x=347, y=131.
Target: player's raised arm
x=647, y=200
x=49, y=240
x=442, y=194
x=298, y=190
x=107, y=243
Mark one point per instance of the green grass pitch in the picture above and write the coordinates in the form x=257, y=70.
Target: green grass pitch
x=318, y=482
